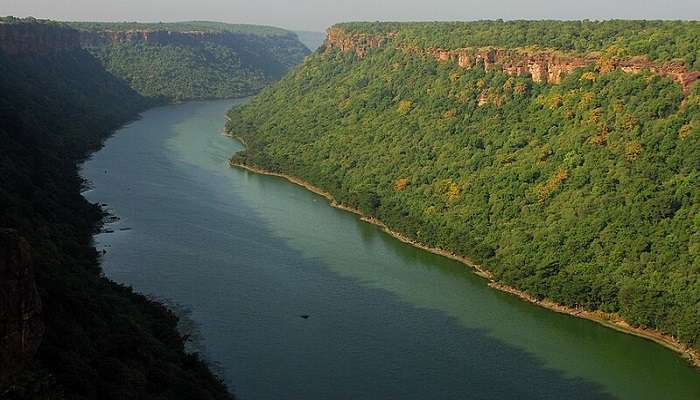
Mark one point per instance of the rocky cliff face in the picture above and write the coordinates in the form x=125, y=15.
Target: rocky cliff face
x=550, y=66
x=21, y=326
x=272, y=54
x=360, y=43
x=36, y=38
x=101, y=38
x=545, y=66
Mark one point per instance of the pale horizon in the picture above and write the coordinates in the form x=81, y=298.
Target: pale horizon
x=317, y=15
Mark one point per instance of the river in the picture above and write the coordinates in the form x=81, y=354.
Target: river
x=245, y=256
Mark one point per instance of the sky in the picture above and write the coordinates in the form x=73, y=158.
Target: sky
x=317, y=15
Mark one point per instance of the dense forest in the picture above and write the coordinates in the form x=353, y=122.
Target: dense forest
x=586, y=192
x=102, y=340
x=193, y=60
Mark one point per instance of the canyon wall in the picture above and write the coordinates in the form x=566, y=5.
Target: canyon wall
x=545, y=66
x=21, y=325
x=36, y=38
x=101, y=38
x=40, y=37
x=360, y=43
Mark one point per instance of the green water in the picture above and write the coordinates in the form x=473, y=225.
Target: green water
x=248, y=254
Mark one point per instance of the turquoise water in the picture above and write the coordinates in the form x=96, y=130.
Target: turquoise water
x=249, y=254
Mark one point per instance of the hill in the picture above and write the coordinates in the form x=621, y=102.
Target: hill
x=563, y=157
x=77, y=334
x=192, y=60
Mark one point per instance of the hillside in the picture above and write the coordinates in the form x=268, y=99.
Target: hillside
x=563, y=157
x=78, y=335
x=657, y=40
x=192, y=60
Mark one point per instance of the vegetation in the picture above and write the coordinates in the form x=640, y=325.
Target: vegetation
x=586, y=193
x=177, y=72
x=218, y=61
x=658, y=40
x=28, y=20
x=185, y=26
x=102, y=341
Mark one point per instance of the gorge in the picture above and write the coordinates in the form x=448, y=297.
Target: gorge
x=66, y=330
x=385, y=319
x=558, y=158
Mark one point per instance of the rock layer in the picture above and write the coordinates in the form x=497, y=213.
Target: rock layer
x=21, y=325
x=162, y=37
x=360, y=43
x=545, y=66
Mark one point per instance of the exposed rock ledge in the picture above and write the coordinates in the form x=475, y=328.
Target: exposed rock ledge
x=99, y=38
x=546, y=66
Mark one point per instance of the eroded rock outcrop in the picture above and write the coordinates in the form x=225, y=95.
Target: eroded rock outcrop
x=550, y=66
x=101, y=38
x=360, y=43
x=544, y=65
x=21, y=325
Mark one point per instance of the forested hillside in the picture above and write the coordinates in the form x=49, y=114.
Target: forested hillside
x=193, y=60
x=101, y=340
x=584, y=189
x=657, y=40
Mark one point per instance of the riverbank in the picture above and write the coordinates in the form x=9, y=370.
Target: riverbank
x=607, y=319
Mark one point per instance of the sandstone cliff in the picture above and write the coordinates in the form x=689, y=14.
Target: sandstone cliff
x=544, y=65
x=106, y=37
x=21, y=326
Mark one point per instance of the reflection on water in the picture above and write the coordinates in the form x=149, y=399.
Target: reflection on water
x=249, y=254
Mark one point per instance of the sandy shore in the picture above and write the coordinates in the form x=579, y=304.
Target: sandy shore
x=607, y=319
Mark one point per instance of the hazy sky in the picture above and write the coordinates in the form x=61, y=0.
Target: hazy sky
x=318, y=14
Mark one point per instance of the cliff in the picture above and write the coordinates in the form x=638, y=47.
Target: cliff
x=360, y=43
x=192, y=60
x=544, y=65
x=163, y=37
x=36, y=37
x=102, y=38
x=21, y=325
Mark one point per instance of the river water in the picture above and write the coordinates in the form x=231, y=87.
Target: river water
x=247, y=255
